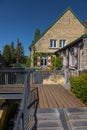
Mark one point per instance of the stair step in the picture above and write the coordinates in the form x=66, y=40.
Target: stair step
x=48, y=114
x=76, y=118
x=49, y=124
x=48, y=117
x=47, y=110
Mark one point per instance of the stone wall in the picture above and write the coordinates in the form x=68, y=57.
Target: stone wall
x=54, y=79
x=83, y=54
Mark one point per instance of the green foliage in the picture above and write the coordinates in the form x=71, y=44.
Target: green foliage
x=7, y=53
x=79, y=87
x=53, y=63
x=56, y=63
x=59, y=63
x=20, y=53
x=36, y=54
x=36, y=35
x=12, y=54
x=12, y=51
x=35, y=57
x=28, y=62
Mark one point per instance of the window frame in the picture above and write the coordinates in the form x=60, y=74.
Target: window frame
x=43, y=61
x=53, y=43
x=63, y=43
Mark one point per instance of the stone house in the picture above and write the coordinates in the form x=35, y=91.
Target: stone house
x=75, y=56
x=63, y=31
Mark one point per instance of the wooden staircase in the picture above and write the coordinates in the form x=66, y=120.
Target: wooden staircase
x=55, y=108
x=60, y=119
x=48, y=119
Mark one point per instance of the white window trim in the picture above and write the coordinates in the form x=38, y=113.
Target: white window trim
x=62, y=44
x=53, y=43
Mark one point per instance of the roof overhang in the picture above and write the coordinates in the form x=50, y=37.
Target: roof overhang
x=71, y=44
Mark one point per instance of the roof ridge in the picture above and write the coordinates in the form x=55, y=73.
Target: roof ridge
x=68, y=8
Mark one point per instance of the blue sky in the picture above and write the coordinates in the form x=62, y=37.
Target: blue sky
x=20, y=18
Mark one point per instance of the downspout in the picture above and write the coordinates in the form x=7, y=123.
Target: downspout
x=78, y=59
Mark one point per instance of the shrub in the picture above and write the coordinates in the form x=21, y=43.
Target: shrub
x=59, y=63
x=79, y=87
x=28, y=62
x=56, y=63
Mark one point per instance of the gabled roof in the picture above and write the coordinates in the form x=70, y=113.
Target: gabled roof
x=85, y=23
x=56, y=21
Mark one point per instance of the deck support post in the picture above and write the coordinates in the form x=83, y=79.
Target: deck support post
x=66, y=75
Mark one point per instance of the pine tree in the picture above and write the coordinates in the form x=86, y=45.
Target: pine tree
x=12, y=51
x=36, y=35
x=20, y=52
x=7, y=53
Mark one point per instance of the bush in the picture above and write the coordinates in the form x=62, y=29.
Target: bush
x=79, y=87
x=28, y=62
x=59, y=63
x=56, y=63
x=53, y=63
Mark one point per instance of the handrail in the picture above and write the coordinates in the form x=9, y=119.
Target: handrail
x=22, y=118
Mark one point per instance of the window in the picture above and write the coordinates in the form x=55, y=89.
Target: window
x=62, y=43
x=72, y=58
x=53, y=43
x=44, y=61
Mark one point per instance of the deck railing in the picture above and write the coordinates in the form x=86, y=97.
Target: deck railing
x=22, y=122
x=21, y=75
x=12, y=76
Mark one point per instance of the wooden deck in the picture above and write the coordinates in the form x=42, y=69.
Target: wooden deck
x=13, y=88
x=56, y=96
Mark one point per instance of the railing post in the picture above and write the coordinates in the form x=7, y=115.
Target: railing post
x=22, y=122
x=6, y=78
x=66, y=75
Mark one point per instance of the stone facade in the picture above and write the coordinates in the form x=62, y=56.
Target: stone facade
x=77, y=56
x=68, y=28
x=83, y=54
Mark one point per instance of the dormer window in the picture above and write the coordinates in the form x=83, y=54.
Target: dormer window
x=53, y=43
x=62, y=43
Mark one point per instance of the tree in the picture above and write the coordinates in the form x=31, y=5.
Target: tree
x=7, y=53
x=36, y=35
x=12, y=51
x=20, y=52
x=28, y=62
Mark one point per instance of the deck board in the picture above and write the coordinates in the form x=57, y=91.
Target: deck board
x=11, y=88
x=56, y=96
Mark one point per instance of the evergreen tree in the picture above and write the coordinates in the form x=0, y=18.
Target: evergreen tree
x=12, y=51
x=20, y=52
x=36, y=35
x=7, y=53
